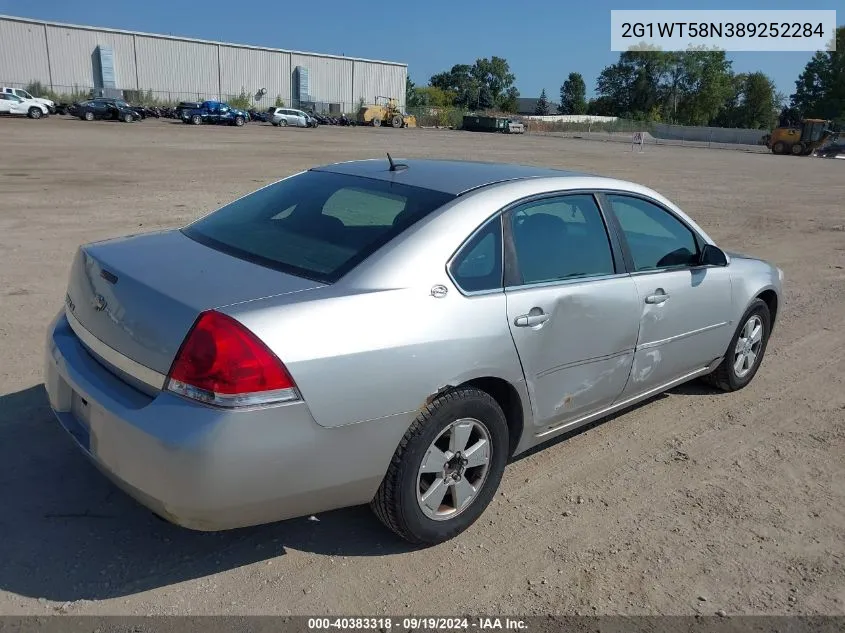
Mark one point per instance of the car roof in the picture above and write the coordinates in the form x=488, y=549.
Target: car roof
x=448, y=176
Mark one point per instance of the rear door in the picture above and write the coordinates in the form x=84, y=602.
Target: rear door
x=572, y=309
x=684, y=308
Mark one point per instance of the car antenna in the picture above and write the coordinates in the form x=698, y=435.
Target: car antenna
x=395, y=166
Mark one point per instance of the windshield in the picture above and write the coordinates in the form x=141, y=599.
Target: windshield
x=316, y=225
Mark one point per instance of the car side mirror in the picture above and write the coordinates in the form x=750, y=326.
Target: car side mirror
x=712, y=256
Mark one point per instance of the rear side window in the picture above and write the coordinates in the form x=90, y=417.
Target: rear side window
x=560, y=238
x=317, y=225
x=478, y=265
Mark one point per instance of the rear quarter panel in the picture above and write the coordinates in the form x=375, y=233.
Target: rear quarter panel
x=371, y=354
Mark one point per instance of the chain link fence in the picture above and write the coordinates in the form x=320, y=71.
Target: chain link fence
x=652, y=133
x=591, y=128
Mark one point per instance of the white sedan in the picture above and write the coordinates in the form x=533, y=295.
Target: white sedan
x=14, y=105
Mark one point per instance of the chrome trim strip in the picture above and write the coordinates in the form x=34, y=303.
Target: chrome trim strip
x=632, y=400
x=678, y=337
x=140, y=372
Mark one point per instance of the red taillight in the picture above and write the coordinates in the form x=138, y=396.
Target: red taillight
x=222, y=363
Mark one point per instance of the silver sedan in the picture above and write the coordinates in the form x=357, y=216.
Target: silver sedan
x=389, y=333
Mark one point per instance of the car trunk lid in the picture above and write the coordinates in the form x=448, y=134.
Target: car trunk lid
x=140, y=295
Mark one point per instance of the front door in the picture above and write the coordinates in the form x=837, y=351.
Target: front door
x=684, y=307
x=573, y=312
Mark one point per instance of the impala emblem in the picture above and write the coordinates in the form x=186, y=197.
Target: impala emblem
x=439, y=291
x=99, y=303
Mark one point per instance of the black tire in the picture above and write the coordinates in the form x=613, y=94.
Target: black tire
x=283, y=123
x=725, y=376
x=239, y=121
x=128, y=118
x=397, y=121
x=395, y=503
x=779, y=148
x=376, y=122
x=196, y=119
x=35, y=113
x=797, y=149
x=88, y=116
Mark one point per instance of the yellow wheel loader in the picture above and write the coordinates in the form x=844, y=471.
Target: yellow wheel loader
x=385, y=111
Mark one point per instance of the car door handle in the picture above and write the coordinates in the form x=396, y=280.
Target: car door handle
x=659, y=297
x=530, y=320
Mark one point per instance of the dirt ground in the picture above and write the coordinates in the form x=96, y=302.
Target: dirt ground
x=694, y=502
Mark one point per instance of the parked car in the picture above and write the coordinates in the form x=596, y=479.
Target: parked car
x=282, y=117
x=186, y=105
x=214, y=112
x=13, y=105
x=140, y=111
x=24, y=95
x=109, y=109
x=374, y=332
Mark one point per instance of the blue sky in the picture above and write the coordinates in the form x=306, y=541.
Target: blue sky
x=542, y=41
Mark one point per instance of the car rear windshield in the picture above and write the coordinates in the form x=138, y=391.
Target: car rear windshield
x=317, y=225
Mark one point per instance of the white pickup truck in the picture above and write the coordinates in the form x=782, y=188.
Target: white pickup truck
x=23, y=94
x=14, y=105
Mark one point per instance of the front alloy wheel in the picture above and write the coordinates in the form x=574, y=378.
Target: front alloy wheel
x=746, y=349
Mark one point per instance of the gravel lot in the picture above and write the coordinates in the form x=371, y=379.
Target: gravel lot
x=694, y=502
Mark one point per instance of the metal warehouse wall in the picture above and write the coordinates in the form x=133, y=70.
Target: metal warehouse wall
x=61, y=56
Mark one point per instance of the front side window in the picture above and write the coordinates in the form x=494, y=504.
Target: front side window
x=478, y=265
x=560, y=238
x=656, y=238
x=317, y=225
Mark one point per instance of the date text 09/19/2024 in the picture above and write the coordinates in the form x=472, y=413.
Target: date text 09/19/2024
x=418, y=623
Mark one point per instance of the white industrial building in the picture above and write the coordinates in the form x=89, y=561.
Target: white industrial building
x=71, y=59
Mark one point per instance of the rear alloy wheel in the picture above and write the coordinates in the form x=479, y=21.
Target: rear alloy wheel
x=89, y=116
x=746, y=349
x=35, y=113
x=447, y=468
x=196, y=119
x=283, y=123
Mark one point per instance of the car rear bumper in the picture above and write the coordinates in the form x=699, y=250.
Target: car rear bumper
x=206, y=468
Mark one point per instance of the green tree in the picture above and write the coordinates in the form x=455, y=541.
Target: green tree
x=634, y=86
x=460, y=82
x=705, y=85
x=495, y=76
x=543, y=107
x=435, y=97
x=760, y=102
x=600, y=106
x=510, y=100
x=489, y=80
x=573, y=95
x=412, y=97
x=485, y=98
x=820, y=89
x=753, y=102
